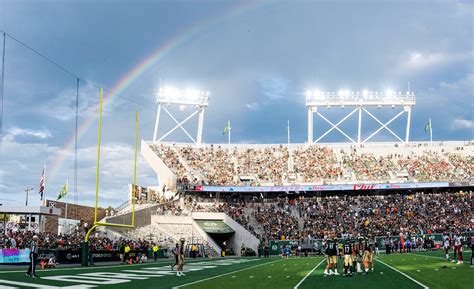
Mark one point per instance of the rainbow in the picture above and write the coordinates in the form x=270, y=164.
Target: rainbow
x=151, y=60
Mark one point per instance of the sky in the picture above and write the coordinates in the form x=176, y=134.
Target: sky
x=257, y=59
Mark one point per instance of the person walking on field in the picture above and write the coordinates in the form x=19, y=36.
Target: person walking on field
x=155, y=252
x=180, y=259
x=175, y=254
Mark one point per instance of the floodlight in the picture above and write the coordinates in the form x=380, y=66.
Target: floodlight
x=309, y=93
x=365, y=93
x=170, y=92
x=389, y=92
x=191, y=94
x=340, y=92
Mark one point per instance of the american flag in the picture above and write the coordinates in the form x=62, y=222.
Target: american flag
x=41, y=185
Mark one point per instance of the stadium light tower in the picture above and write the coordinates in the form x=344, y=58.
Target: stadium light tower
x=171, y=96
x=360, y=101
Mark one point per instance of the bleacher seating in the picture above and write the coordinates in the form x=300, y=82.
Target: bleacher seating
x=317, y=164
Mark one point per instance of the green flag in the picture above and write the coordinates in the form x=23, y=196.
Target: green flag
x=62, y=193
x=227, y=128
x=427, y=126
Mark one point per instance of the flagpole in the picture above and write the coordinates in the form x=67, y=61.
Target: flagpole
x=288, y=134
x=67, y=189
x=431, y=134
x=289, y=150
x=44, y=184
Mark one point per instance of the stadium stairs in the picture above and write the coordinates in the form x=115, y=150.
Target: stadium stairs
x=168, y=229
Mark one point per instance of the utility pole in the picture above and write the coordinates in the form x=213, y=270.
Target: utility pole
x=27, y=191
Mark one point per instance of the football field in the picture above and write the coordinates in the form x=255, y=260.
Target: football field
x=420, y=270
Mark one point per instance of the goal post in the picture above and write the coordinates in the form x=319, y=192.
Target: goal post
x=85, y=244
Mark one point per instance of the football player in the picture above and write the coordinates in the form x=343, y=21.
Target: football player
x=458, y=247
x=446, y=245
x=331, y=256
x=367, y=258
x=348, y=252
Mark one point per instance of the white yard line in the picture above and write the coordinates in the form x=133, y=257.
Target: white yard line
x=217, y=276
x=125, y=266
x=310, y=272
x=396, y=270
x=428, y=256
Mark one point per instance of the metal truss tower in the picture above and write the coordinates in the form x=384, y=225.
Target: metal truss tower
x=170, y=96
x=359, y=102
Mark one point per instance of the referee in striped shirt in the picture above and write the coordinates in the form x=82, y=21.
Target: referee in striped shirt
x=33, y=256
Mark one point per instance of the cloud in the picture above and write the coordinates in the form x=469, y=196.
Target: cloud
x=417, y=60
x=274, y=87
x=460, y=123
x=252, y=106
x=464, y=85
x=64, y=104
x=15, y=132
x=22, y=164
x=455, y=95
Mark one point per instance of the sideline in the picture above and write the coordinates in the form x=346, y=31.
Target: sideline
x=217, y=276
x=396, y=270
x=160, y=262
x=310, y=272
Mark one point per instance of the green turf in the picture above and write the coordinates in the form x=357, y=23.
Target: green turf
x=432, y=270
x=282, y=273
x=275, y=273
x=381, y=275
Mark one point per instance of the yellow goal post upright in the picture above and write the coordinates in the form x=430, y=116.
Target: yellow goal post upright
x=85, y=244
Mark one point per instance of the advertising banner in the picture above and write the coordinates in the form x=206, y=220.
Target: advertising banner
x=9, y=256
x=316, y=188
x=74, y=256
x=214, y=226
x=275, y=245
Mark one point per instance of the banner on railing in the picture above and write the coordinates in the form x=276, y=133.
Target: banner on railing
x=9, y=256
x=317, y=188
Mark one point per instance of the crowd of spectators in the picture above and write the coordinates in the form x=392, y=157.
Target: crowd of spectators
x=298, y=218
x=386, y=214
x=21, y=239
x=273, y=164
x=374, y=215
x=317, y=163
x=277, y=221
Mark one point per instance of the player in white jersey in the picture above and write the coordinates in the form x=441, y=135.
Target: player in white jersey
x=458, y=247
x=446, y=245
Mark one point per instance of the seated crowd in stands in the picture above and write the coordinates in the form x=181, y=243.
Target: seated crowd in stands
x=297, y=218
x=21, y=239
x=377, y=215
x=277, y=164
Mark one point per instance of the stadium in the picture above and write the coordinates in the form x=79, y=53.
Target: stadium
x=357, y=201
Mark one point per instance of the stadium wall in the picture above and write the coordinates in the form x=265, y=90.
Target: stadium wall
x=166, y=176
x=142, y=218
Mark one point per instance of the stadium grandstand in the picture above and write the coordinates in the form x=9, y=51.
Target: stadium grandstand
x=150, y=203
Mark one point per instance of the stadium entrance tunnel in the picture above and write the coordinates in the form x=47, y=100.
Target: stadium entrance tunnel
x=220, y=233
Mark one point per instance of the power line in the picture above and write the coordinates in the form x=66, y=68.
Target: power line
x=72, y=74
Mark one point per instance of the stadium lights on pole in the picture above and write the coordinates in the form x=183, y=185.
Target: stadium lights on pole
x=195, y=98
x=360, y=100
x=388, y=97
x=188, y=96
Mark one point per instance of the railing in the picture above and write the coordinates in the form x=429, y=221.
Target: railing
x=122, y=206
